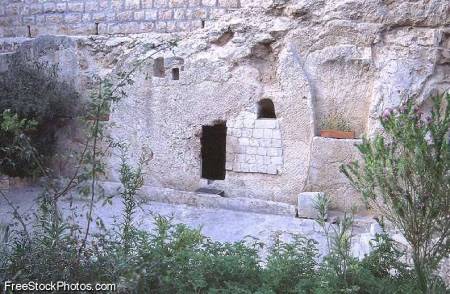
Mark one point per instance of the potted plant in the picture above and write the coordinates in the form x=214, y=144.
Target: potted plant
x=334, y=125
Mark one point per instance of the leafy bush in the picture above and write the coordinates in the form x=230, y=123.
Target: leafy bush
x=406, y=175
x=33, y=91
x=291, y=267
x=15, y=150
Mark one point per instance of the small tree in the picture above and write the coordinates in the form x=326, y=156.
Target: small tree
x=406, y=175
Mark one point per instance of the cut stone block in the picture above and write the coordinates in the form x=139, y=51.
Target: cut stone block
x=306, y=203
x=375, y=228
x=266, y=123
x=244, y=141
x=276, y=143
x=327, y=156
x=4, y=183
x=252, y=150
x=257, y=133
x=272, y=169
x=267, y=134
x=277, y=160
x=276, y=134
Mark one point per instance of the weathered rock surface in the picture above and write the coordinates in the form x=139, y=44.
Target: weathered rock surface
x=310, y=58
x=327, y=156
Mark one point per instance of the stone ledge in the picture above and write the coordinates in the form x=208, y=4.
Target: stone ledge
x=170, y=196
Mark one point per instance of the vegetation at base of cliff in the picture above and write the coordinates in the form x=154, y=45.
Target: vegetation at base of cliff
x=177, y=259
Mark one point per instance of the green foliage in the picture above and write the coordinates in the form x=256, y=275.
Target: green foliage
x=16, y=150
x=177, y=259
x=322, y=204
x=291, y=267
x=406, y=175
x=33, y=92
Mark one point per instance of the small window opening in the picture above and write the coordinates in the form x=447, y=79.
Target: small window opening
x=29, y=31
x=266, y=109
x=213, y=149
x=203, y=23
x=175, y=73
x=96, y=28
x=158, y=68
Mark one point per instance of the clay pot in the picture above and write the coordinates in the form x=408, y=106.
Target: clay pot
x=337, y=134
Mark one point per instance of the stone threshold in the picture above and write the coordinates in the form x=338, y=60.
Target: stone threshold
x=204, y=200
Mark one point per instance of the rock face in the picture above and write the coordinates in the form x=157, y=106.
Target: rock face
x=327, y=155
x=310, y=59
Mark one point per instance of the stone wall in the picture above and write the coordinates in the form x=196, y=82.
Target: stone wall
x=254, y=145
x=327, y=156
x=90, y=17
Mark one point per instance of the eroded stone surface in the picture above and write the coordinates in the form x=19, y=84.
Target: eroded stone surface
x=311, y=58
x=327, y=156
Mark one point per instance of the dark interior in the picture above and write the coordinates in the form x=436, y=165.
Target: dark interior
x=175, y=73
x=266, y=109
x=158, y=67
x=213, y=151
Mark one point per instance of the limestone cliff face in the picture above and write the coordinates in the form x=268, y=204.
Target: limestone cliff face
x=310, y=58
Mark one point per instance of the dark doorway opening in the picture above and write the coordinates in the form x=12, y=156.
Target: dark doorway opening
x=266, y=109
x=213, y=151
x=175, y=73
x=158, y=68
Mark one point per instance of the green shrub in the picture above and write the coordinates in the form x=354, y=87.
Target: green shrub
x=33, y=91
x=15, y=148
x=291, y=267
x=406, y=175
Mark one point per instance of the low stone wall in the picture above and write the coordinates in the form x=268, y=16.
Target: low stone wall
x=90, y=17
x=327, y=155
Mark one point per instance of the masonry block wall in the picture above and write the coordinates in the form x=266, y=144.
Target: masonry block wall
x=89, y=17
x=254, y=145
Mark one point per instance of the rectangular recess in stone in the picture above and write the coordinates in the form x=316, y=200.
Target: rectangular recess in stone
x=213, y=151
x=159, y=70
x=175, y=73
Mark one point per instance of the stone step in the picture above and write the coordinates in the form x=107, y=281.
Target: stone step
x=206, y=200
